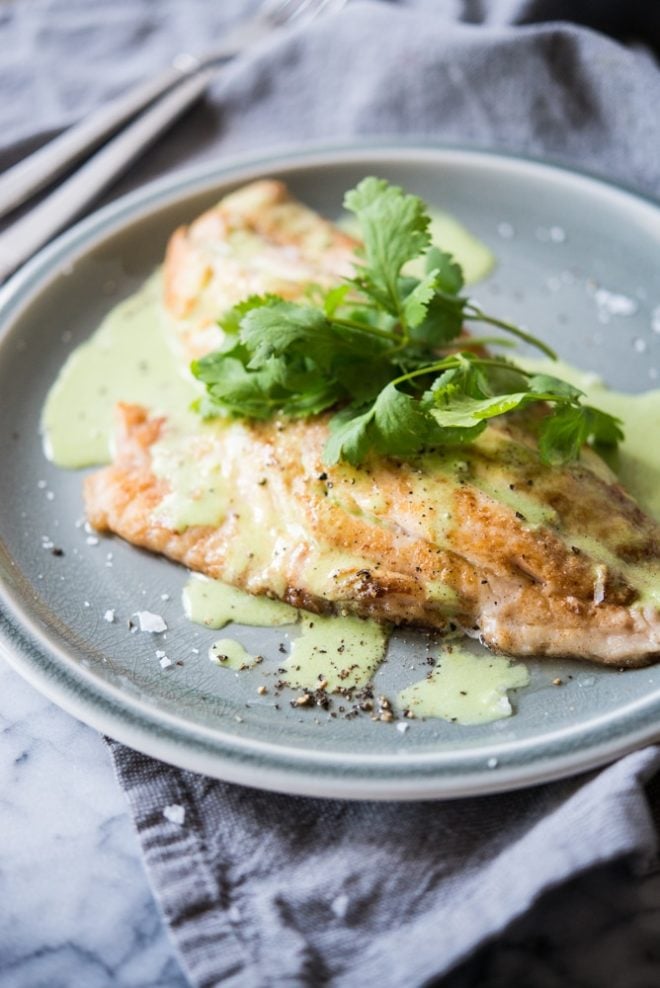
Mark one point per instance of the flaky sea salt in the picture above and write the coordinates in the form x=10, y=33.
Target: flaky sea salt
x=614, y=303
x=109, y=615
x=165, y=662
x=153, y=623
x=402, y=727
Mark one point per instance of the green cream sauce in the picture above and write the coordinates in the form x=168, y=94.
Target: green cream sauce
x=533, y=511
x=643, y=576
x=333, y=567
x=442, y=594
x=343, y=652
x=129, y=358
x=214, y=604
x=465, y=688
x=230, y=654
x=192, y=465
x=491, y=472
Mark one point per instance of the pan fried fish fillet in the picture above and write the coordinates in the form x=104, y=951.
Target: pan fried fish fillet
x=532, y=559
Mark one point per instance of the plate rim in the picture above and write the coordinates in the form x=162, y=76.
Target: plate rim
x=191, y=746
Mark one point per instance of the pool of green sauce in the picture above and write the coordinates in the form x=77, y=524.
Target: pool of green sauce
x=465, y=687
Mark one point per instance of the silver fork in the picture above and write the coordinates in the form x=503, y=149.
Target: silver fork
x=163, y=99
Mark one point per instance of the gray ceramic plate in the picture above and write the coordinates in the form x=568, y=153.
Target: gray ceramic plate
x=556, y=235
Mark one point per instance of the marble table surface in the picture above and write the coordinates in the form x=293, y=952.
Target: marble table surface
x=76, y=907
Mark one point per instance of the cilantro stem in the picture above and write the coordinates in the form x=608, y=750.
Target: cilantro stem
x=473, y=311
x=471, y=341
x=439, y=365
x=453, y=361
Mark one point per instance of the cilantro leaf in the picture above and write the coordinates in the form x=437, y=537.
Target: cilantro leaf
x=237, y=390
x=287, y=327
x=230, y=322
x=402, y=424
x=394, y=227
x=603, y=429
x=566, y=430
x=351, y=437
x=442, y=323
x=562, y=435
x=465, y=412
x=416, y=302
x=363, y=378
x=540, y=383
x=449, y=277
x=467, y=377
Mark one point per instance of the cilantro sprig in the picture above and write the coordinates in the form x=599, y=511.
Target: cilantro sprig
x=387, y=352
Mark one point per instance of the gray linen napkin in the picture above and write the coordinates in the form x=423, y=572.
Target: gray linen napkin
x=262, y=889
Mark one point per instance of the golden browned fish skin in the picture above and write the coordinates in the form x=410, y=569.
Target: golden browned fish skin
x=486, y=538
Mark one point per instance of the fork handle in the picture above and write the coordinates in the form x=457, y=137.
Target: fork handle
x=42, y=167
x=23, y=238
x=45, y=165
